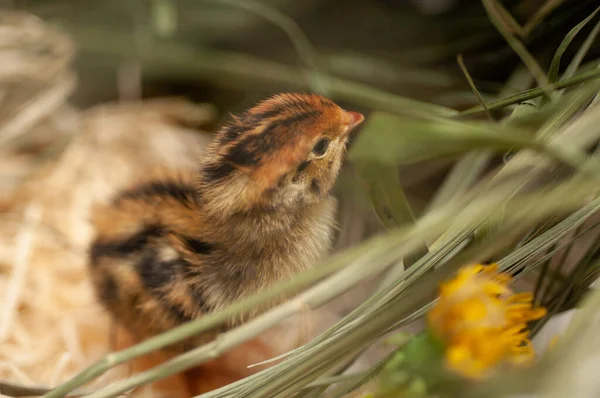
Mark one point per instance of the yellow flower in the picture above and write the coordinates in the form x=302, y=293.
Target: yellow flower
x=482, y=322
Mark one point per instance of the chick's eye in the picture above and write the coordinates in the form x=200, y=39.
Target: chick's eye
x=320, y=148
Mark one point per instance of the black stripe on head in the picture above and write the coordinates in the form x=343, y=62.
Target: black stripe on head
x=299, y=117
x=123, y=247
x=242, y=156
x=325, y=102
x=247, y=121
x=183, y=193
x=273, y=111
x=250, y=150
x=217, y=172
x=296, y=101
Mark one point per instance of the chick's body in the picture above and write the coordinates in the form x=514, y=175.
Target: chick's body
x=257, y=211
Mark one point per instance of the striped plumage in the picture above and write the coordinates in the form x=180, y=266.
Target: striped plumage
x=257, y=211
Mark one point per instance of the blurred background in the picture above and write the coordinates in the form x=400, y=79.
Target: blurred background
x=231, y=53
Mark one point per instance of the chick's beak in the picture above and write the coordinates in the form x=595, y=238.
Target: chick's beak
x=354, y=119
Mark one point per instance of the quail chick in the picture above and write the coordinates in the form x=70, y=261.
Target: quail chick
x=257, y=211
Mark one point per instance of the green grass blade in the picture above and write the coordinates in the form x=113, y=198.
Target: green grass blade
x=230, y=69
x=555, y=65
x=164, y=17
x=391, y=140
x=382, y=183
x=580, y=55
x=497, y=14
x=463, y=67
x=466, y=171
x=301, y=43
x=463, y=175
x=546, y=9
x=534, y=92
x=572, y=104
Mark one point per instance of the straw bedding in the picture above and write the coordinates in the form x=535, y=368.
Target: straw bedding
x=51, y=324
x=55, y=162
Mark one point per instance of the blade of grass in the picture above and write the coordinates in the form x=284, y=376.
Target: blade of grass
x=369, y=375
x=463, y=68
x=577, y=348
x=580, y=268
x=556, y=302
x=551, y=236
x=229, y=69
x=555, y=65
x=17, y=390
x=580, y=55
x=382, y=183
x=539, y=283
x=164, y=17
x=466, y=171
x=301, y=43
x=462, y=176
x=533, y=93
x=497, y=14
x=504, y=18
x=390, y=139
x=556, y=248
x=546, y=9
x=382, y=72
x=555, y=280
x=319, y=368
x=563, y=112
x=387, y=196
